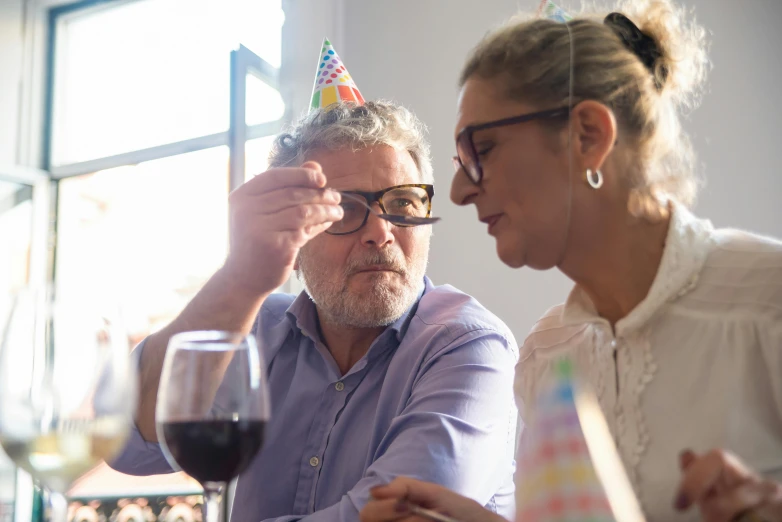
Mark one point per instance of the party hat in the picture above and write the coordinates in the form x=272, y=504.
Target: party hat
x=333, y=83
x=568, y=466
x=552, y=11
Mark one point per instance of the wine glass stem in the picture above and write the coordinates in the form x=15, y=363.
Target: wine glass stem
x=216, y=507
x=58, y=507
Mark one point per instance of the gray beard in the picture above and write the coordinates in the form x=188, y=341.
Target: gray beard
x=384, y=302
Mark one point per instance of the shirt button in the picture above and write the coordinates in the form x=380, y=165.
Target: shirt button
x=314, y=461
x=339, y=386
x=613, y=343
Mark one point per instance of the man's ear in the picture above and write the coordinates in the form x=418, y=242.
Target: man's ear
x=594, y=133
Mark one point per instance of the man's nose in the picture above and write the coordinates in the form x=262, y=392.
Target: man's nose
x=377, y=232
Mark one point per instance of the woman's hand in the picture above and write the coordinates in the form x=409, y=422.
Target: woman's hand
x=725, y=489
x=390, y=503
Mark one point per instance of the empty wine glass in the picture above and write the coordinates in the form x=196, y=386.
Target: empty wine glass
x=67, y=389
x=212, y=408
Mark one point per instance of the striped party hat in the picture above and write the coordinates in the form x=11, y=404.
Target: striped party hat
x=552, y=11
x=333, y=83
x=568, y=466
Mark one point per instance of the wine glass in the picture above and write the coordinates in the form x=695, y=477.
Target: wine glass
x=212, y=407
x=67, y=389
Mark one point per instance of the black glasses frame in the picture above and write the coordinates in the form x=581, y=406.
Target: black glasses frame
x=473, y=169
x=377, y=196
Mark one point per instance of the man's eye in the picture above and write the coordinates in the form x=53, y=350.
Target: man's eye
x=350, y=207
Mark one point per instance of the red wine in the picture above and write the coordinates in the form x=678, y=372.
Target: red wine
x=213, y=451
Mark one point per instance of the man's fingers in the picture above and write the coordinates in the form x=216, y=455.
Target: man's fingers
x=383, y=510
x=314, y=230
x=312, y=165
x=280, y=199
x=278, y=178
x=396, y=489
x=424, y=494
x=384, y=493
x=299, y=217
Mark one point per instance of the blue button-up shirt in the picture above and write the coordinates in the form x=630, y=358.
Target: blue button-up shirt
x=431, y=399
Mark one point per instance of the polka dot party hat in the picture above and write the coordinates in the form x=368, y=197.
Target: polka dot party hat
x=552, y=11
x=568, y=467
x=333, y=83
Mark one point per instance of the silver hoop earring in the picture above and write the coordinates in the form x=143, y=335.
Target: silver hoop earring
x=594, y=178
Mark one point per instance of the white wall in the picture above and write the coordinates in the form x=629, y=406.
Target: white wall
x=411, y=51
x=738, y=129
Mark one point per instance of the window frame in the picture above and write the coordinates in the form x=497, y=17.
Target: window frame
x=42, y=23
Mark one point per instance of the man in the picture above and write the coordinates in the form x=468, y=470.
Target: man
x=373, y=371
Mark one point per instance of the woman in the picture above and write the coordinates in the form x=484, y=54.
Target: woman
x=677, y=326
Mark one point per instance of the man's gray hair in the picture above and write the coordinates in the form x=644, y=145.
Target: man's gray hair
x=356, y=126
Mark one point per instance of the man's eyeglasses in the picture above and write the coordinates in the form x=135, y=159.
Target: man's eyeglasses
x=408, y=204
x=467, y=157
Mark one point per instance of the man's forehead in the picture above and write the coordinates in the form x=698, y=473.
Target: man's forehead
x=369, y=168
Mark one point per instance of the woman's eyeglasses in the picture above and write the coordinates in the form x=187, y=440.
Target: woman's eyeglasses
x=467, y=154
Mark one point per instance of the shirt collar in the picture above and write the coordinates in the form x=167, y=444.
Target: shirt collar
x=687, y=246
x=401, y=325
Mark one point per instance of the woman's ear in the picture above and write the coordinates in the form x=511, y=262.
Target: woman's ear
x=594, y=133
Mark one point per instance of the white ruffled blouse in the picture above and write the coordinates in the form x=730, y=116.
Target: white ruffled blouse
x=697, y=364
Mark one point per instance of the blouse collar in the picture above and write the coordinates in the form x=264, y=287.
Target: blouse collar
x=687, y=245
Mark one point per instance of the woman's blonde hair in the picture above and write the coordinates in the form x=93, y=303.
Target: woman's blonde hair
x=531, y=59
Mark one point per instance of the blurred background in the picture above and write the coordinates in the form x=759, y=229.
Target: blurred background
x=124, y=124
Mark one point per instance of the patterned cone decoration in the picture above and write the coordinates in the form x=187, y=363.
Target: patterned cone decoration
x=333, y=83
x=552, y=11
x=557, y=476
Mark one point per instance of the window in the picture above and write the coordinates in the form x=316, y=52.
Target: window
x=16, y=227
x=150, y=234
x=134, y=75
x=23, y=218
x=156, y=109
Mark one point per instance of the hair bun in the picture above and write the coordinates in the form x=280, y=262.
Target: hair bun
x=640, y=44
x=681, y=63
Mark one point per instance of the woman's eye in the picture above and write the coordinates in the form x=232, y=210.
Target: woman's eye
x=484, y=150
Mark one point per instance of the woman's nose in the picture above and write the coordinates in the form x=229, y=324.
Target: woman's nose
x=462, y=189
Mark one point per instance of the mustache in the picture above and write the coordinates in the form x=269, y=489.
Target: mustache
x=389, y=260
